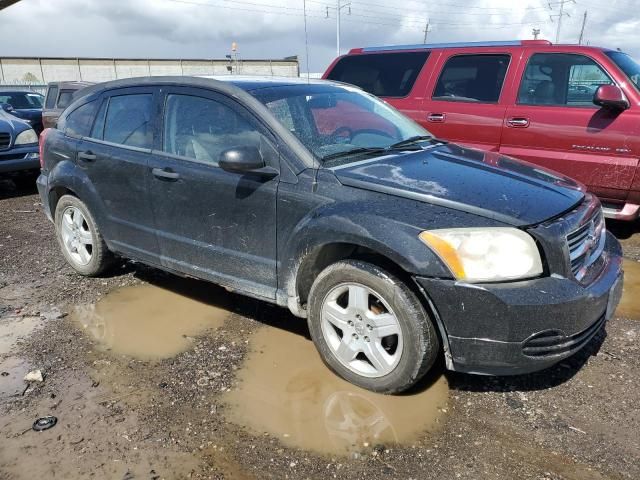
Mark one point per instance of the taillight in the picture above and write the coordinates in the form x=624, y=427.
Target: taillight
x=43, y=136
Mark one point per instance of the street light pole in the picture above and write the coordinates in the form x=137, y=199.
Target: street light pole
x=339, y=6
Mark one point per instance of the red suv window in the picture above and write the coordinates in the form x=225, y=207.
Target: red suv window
x=561, y=79
x=381, y=74
x=472, y=78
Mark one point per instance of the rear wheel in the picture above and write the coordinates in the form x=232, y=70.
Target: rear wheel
x=370, y=328
x=82, y=244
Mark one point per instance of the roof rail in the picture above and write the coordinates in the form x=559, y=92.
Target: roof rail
x=428, y=46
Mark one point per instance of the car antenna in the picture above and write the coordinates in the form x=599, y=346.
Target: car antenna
x=306, y=40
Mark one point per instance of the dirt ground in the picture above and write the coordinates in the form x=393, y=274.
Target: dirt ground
x=195, y=382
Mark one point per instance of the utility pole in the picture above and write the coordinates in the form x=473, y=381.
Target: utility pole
x=426, y=31
x=339, y=6
x=584, y=24
x=562, y=13
x=536, y=32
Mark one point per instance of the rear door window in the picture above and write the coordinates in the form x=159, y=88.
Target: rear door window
x=64, y=100
x=472, y=78
x=52, y=95
x=78, y=123
x=561, y=79
x=381, y=74
x=128, y=120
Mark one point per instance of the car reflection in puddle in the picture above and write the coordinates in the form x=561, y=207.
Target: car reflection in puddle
x=629, y=306
x=285, y=390
x=147, y=322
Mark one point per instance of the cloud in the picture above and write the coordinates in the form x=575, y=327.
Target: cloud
x=275, y=28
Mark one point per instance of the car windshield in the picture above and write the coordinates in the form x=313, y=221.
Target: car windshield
x=20, y=100
x=339, y=124
x=628, y=65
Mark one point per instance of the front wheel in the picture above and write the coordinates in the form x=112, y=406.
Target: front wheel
x=370, y=328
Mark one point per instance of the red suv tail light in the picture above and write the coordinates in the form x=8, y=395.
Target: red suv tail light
x=43, y=137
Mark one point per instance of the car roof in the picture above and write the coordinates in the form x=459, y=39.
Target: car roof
x=70, y=84
x=470, y=45
x=253, y=82
x=226, y=82
x=6, y=92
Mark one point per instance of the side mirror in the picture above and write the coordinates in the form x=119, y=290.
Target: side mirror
x=6, y=107
x=611, y=97
x=241, y=159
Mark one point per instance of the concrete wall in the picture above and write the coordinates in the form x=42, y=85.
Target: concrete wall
x=43, y=70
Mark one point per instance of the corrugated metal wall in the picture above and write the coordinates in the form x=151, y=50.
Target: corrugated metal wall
x=44, y=70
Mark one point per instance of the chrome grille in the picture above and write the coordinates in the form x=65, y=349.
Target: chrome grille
x=5, y=140
x=586, y=243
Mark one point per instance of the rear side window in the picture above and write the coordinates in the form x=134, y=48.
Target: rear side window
x=561, y=79
x=201, y=128
x=78, y=122
x=128, y=120
x=52, y=95
x=472, y=78
x=381, y=74
x=64, y=100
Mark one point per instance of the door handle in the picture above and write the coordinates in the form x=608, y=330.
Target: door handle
x=436, y=117
x=88, y=156
x=165, y=173
x=518, y=122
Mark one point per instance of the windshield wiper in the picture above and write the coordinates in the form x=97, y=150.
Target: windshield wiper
x=354, y=151
x=394, y=146
x=409, y=141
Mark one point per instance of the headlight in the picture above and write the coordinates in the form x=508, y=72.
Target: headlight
x=26, y=137
x=486, y=254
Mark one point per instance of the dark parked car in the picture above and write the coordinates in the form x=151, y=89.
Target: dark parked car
x=397, y=247
x=26, y=105
x=19, y=155
x=59, y=96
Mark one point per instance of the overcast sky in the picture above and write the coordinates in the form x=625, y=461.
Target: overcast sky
x=275, y=28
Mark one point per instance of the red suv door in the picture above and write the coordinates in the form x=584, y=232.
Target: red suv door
x=464, y=102
x=552, y=121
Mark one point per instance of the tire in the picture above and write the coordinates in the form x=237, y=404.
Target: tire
x=346, y=320
x=80, y=233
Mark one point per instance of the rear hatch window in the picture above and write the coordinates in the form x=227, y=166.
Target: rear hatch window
x=381, y=74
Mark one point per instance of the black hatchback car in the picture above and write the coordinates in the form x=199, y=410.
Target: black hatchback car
x=396, y=246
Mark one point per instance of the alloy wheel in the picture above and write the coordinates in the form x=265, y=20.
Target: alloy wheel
x=361, y=330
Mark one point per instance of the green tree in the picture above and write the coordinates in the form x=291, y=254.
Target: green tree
x=30, y=78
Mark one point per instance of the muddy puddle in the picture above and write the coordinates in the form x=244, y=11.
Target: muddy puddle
x=13, y=330
x=147, y=322
x=285, y=390
x=629, y=306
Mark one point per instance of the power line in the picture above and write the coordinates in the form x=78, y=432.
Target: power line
x=559, y=16
x=369, y=19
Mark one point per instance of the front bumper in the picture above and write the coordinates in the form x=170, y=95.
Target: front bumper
x=521, y=327
x=18, y=159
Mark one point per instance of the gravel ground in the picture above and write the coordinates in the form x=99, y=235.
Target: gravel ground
x=124, y=418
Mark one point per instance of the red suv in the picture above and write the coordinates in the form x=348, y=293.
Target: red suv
x=571, y=108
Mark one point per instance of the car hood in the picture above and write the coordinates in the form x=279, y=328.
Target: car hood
x=12, y=124
x=31, y=113
x=484, y=183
